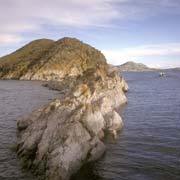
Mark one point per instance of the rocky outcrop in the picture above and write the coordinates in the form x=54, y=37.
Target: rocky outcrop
x=58, y=138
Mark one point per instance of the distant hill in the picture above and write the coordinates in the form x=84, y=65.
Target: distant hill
x=132, y=66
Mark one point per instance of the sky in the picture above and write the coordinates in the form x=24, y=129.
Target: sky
x=146, y=31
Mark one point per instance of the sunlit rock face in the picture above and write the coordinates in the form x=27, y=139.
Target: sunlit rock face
x=55, y=140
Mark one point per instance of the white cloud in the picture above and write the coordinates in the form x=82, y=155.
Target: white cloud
x=6, y=39
x=19, y=16
x=164, y=64
x=140, y=52
x=25, y=14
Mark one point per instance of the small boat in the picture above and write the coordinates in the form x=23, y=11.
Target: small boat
x=162, y=74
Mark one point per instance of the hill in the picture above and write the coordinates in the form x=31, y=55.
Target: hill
x=132, y=66
x=49, y=60
x=16, y=64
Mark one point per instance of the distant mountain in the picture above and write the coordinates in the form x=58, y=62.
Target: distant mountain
x=132, y=66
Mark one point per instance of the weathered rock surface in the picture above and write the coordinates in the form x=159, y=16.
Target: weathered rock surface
x=58, y=138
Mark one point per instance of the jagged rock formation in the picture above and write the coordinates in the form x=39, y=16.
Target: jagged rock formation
x=57, y=139
x=132, y=66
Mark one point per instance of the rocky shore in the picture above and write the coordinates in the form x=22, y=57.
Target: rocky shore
x=57, y=139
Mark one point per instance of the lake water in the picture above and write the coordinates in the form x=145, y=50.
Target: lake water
x=148, y=148
x=17, y=98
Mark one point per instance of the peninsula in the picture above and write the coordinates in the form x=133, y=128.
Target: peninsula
x=55, y=140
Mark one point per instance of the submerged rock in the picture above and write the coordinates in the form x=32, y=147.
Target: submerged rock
x=58, y=138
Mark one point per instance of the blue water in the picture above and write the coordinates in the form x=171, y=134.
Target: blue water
x=17, y=98
x=148, y=148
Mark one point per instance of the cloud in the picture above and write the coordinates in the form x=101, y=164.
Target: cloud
x=140, y=52
x=154, y=50
x=6, y=39
x=164, y=64
x=19, y=16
